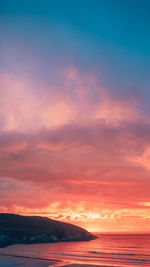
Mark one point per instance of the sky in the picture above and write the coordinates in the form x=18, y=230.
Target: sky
x=75, y=112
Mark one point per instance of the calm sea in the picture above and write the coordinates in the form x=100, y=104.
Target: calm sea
x=107, y=250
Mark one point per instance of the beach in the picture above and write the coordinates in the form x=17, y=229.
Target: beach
x=107, y=250
x=16, y=261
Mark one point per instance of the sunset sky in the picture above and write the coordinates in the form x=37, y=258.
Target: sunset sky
x=75, y=111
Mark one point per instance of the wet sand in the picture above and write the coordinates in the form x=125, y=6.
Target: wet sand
x=20, y=261
x=16, y=261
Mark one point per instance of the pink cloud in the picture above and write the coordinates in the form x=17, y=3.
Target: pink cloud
x=60, y=150
x=23, y=110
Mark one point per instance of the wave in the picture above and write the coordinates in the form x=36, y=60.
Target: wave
x=118, y=254
x=103, y=257
x=73, y=255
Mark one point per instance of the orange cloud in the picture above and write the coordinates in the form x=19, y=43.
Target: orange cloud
x=74, y=154
x=143, y=159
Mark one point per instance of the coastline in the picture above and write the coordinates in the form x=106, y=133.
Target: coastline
x=22, y=261
x=106, y=250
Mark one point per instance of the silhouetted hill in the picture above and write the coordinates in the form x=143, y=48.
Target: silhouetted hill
x=17, y=229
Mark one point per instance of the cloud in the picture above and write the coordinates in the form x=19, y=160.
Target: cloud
x=116, y=111
x=144, y=204
x=143, y=159
x=23, y=110
x=33, y=200
x=62, y=148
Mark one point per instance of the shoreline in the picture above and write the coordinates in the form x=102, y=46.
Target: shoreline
x=22, y=261
x=8, y=260
x=28, y=257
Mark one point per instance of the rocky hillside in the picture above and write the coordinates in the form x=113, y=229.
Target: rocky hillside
x=17, y=229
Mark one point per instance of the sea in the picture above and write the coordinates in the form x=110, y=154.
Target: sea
x=107, y=250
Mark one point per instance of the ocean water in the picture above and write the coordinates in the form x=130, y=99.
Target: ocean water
x=107, y=250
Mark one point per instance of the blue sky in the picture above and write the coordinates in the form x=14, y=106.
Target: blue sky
x=106, y=36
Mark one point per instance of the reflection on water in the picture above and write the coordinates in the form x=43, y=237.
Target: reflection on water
x=107, y=250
